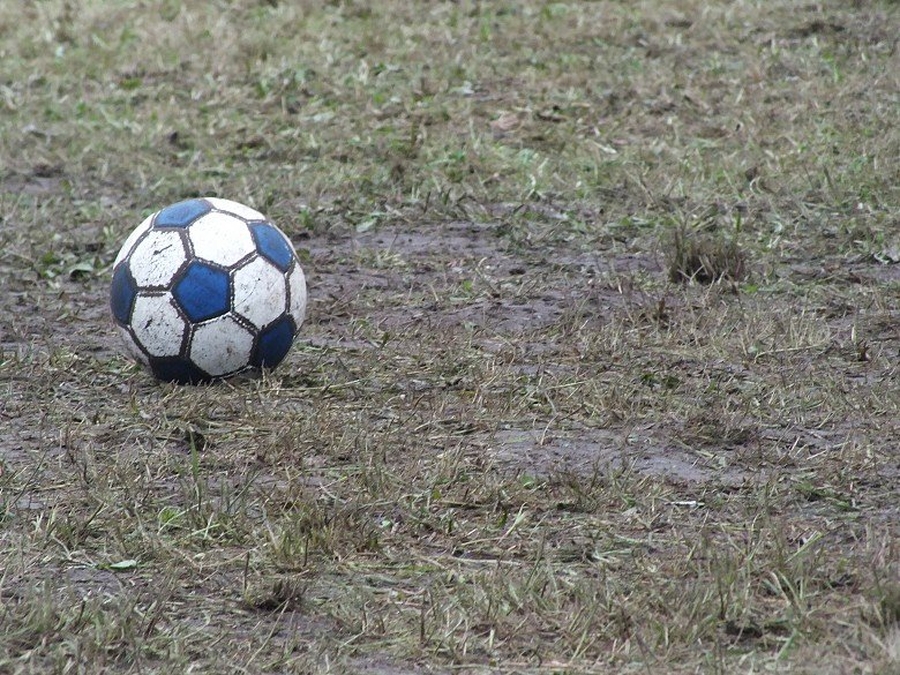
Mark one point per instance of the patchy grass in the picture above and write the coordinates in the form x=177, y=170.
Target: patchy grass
x=508, y=440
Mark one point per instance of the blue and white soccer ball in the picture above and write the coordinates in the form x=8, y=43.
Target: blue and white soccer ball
x=207, y=288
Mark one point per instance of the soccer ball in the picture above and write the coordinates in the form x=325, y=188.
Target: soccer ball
x=207, y=288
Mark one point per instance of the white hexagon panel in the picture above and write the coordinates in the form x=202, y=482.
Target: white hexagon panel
x=158, y=325
x=157, y=258
x=236, y=208
x=131, y=346
x=260, y=292
x=297, y=290
x=221, y=238
x=129, y=243
x=221, y=346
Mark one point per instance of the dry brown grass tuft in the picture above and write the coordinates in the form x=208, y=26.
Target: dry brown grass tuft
x=705, y=258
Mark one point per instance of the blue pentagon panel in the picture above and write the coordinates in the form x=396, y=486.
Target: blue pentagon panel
x=178, y=369
x=181, y=214
x=203, y=291
x=272, y=244
x=122, y=294
x=274, y=343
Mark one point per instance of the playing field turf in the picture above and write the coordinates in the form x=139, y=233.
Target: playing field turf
x=600, y=369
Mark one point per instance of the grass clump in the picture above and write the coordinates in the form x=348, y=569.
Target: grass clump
x=705, y=258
